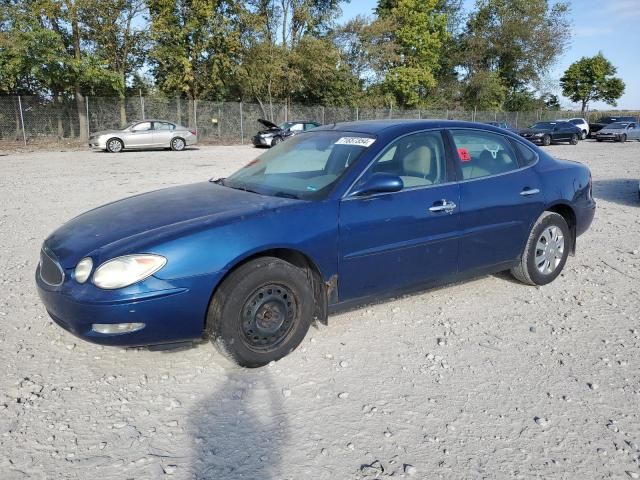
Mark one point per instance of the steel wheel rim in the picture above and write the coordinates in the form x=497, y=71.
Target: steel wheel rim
x=178, y=144
x=267, y=317
x=549, y=250
x=115, y=145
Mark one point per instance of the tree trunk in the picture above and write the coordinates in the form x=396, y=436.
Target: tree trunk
x=80, y=100
x=59, y=115
x=81, y=107
x=123, y=111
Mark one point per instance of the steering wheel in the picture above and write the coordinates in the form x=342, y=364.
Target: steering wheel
x=492, y=149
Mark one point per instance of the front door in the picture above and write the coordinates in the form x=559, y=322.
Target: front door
x=500, y=198
x=391, y=241
x=141, y=135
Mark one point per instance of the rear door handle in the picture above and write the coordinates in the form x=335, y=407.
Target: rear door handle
x=529, y=191
x=443, y=206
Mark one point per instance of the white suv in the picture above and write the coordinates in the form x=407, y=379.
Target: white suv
x=581, y=123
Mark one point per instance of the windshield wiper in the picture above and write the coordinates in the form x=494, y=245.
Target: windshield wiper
x=286, y=195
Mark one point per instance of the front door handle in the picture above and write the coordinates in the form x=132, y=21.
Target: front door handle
x=529, y=191
x=443, y=206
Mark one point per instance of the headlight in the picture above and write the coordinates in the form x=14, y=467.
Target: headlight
x=83, y=270
x=538, y=134
x=127, y=270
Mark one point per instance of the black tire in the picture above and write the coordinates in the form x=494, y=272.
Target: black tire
x=178, y=144
x=546, y=140
x=574, y=139
x=115, y=145
x=583, y=135
x=598, y=139
x=276, y=141
x=528, y=270
x=261, y=312
x=623, y=138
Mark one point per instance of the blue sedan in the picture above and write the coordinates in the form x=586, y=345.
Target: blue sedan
x=341, y=215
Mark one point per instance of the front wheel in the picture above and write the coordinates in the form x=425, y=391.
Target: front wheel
x=574, y=139
x=276, y=141
x=583, y=135
x=261, y=312
x=546, y=251
x=178, y=144
x=623, y=138
x=114, y=145
x=546, y=140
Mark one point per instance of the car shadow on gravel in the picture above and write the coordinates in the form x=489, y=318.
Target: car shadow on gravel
x=623, y=191
x=240, y=430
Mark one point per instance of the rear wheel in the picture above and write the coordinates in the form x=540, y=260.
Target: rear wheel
x=178, y=144
x=275, y=141
x=598, y=139
x=574, y=139
x=546, y=140
x=114, y=145
x=261, y=312
x=583, y=135
x=546, y=251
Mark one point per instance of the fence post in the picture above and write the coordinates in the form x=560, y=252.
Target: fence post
x=142, y=104
x=241, y=127
x=357, y=114
x=195, y=115
x=516, y=119
x=86, y=103
x=219, y=120
x=323, y=121
x=24, y=135
x=446, y=115
x=475, y=113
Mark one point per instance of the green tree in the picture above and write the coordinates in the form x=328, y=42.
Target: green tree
x=418, y=30
x=518, y=40
x=592, y=79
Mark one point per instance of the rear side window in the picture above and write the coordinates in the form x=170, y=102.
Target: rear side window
x=527, y=156
x=482, y=154
x=164, y=126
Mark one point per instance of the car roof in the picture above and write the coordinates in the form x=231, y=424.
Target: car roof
x=375, y=127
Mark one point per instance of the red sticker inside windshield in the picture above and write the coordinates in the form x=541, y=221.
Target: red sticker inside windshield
x=464, y=154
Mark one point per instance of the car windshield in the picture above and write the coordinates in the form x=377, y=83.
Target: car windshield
x=617, y=126
x=285, y=125
x=305, y=166
x=544, y=125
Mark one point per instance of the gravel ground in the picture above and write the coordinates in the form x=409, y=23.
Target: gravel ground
x=485, y=379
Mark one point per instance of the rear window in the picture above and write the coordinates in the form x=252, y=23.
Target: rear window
x=482, y=154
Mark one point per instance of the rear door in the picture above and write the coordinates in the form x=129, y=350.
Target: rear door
x=390, y=241
x=162, y=133
x=500, y=198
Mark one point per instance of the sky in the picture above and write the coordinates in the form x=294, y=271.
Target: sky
x=610, y=26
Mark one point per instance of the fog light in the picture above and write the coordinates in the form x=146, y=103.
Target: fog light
x=111, y=328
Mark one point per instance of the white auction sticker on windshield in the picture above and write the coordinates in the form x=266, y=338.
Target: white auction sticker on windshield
x=359, y=141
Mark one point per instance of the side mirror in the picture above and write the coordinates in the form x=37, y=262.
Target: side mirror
x=379, y=183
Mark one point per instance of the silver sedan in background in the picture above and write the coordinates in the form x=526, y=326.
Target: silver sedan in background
x=619, y=132
x=144, y=134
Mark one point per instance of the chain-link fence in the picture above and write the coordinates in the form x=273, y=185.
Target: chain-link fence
x=42, y=121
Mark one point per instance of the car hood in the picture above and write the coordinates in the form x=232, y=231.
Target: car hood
x=105, y=132
x=122, y=226
x=268, y=124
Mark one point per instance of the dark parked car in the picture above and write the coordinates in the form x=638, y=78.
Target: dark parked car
x=275, y=134
x=544, y=133
x=604, y=121
x=345, y=214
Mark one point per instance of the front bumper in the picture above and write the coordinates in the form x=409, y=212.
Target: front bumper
x=172, y=311
x=608, y=136
x=532, y=139
x=260, y=141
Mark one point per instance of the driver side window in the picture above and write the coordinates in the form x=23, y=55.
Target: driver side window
x=418, y=159
x=483, y=153
x=142, y=127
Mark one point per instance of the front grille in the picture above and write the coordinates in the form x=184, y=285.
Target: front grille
x=50, y=271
